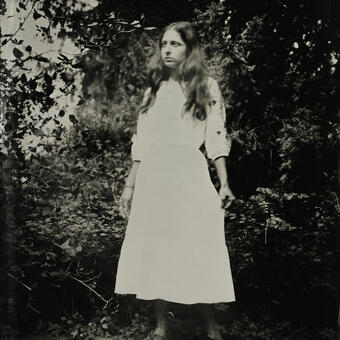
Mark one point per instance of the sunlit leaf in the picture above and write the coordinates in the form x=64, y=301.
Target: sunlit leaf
x=71, y=251
x=65, y=245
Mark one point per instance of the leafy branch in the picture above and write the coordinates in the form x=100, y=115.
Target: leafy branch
x=20, y=25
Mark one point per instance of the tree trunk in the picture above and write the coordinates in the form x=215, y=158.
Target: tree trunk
x=8, y=231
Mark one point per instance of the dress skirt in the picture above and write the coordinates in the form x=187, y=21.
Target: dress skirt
x=174, y=247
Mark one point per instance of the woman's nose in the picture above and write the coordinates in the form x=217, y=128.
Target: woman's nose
x=167, y=49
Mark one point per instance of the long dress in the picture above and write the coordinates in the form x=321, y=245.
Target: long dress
x=174, y=247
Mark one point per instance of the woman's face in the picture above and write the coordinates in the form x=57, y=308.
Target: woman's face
x=173, y=49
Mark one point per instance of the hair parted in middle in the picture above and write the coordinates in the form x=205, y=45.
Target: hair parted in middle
x=192, y=71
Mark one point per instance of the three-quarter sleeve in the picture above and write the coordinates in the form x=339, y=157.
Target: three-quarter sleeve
x=137, y=148
x=217, y=141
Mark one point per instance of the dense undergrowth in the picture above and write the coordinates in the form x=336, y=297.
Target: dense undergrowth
x=281, y=245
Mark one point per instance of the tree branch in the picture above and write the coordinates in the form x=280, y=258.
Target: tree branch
x=22, y=23
x=16, y=279
x=91, y=289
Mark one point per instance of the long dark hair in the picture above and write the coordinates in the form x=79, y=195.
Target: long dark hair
x=192, y=71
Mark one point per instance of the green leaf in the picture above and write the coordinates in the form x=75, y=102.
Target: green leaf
x=71, y=251
x=36, y=15
x=55, y=273
x=38, y=132
x=48, y=78
x=32, y=84
x=63, y=57
x=81, y=101
x=47, y=12
x=41, y=59
x=78, y=65
x=17, y=53
x=48, y=147
x=49, y=90
x=72, y=119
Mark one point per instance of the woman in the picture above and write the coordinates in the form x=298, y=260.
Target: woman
x=174, y=247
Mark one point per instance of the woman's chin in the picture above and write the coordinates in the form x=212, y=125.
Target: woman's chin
x=171, y=66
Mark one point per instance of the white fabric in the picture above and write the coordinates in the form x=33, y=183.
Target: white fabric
x=170, y=98
x=174, y=247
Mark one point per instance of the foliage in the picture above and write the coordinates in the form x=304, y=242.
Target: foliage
x=245, y=328
x=30, y=83
x=283, y=252
x=31, y=80
x=281, y=244
x=101, y=325
x=278, y=74
x=277, y=67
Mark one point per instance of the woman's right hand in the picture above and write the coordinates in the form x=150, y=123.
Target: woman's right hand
x=125, y=201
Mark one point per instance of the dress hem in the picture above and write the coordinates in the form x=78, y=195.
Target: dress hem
x=170, y=299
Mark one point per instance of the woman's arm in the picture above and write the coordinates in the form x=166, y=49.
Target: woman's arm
x=137, y=151
x=225, y=192
x=126, y=197
x=131, y=178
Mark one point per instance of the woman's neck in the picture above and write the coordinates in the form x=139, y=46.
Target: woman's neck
x=175, y=75
x=178, y=79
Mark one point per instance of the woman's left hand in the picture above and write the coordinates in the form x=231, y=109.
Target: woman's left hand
x=226, y=195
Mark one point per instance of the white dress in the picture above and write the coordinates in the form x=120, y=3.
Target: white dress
x=174, y=247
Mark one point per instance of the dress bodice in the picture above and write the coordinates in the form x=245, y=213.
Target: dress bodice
x=166, y=122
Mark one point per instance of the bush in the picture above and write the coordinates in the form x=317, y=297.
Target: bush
x=278, y=77
x=276, y=67
x=69, y=243
x=284, y=255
